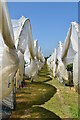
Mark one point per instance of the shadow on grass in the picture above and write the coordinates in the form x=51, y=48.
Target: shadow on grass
x=34, y=113
x=29, y=99
x=43, y=75
x=32, y=96
x=44, y=113
x=41, y=78
x=69, y=85
x=38, y=94
x=45, y=79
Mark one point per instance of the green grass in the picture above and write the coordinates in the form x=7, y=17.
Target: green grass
x=46, y=98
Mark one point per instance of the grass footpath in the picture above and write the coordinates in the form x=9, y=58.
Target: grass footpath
x=46, y=99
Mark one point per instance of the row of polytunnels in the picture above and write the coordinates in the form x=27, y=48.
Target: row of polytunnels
x=64, y=60
x=19, y=55
x=21, y=58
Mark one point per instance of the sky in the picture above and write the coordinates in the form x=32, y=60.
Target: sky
x=49, y=21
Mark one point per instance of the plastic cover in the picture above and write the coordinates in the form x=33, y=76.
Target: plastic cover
x=9, y=56
x=36, y=48
x=20, y=29
x=20, y=72
x=70, y=54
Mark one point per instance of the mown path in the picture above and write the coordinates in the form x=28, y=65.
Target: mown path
x=45, y=98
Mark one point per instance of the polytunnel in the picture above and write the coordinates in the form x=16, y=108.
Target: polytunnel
x=27, y=51
x=66, y=54
x=36, y=49
x=10, y=66
x=15, y=41
x=55, y=62
x=52, y=62
x=59, y=52
x=24, y=44
x=30, y=54
x=30, y=64
x=20, y=32
x=8, y=62
x=70, y=51
x=36, y=54
x=41, y=58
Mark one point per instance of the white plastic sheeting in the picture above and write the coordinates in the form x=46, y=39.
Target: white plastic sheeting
x=66, y=43
x=30, y=66
x=71, y=54
x=9, y=56
x=36, y=49
x=67, y=54
x=30, y=53
x=1, y=54
x=62, y=53
x=30, y=69
x=30, y=41
x=1, y=50
x=62, y=72
x=20, y=72
x=55, y=63
x=25, y=46
x=12, y=49
x=21, y=31
x=75, y=40
x=36, y=55
x=41, y=58
x=52, y=62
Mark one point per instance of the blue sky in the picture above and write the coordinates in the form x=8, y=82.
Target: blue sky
x=49, y=21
